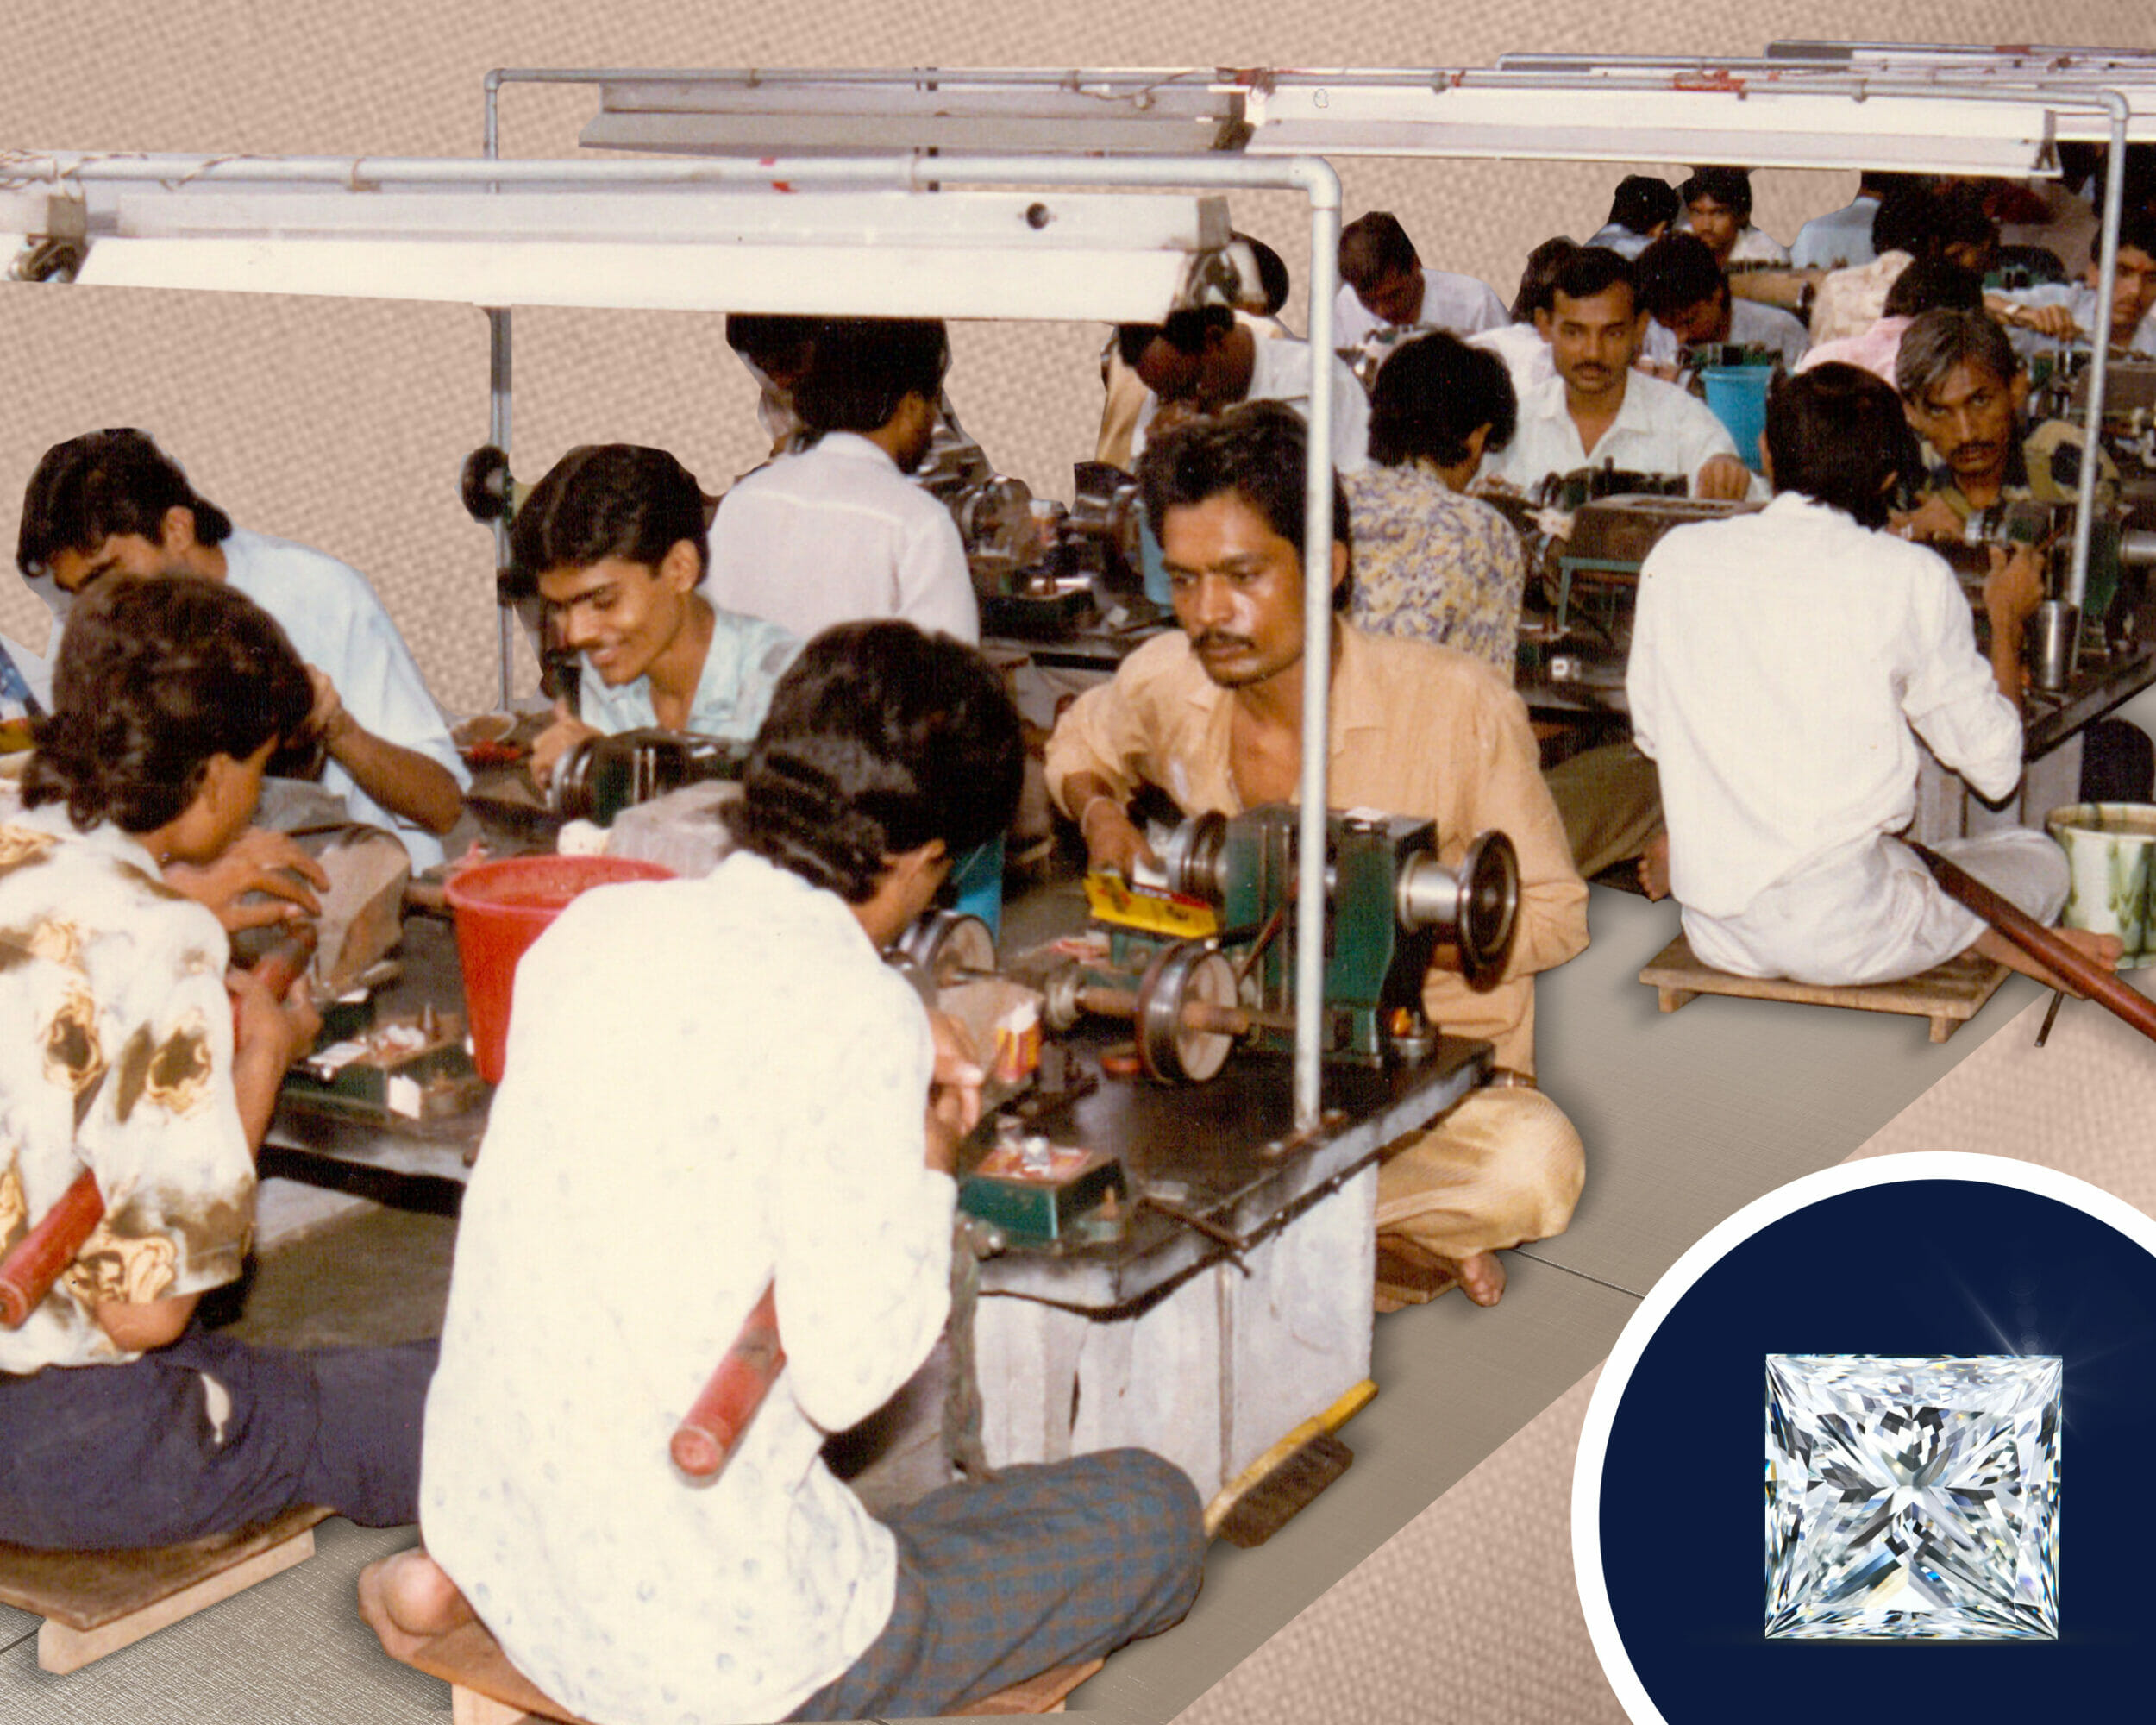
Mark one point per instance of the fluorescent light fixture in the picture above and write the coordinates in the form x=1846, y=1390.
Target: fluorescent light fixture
x=808, y=113
x=1679, y=118
x=1057, y=253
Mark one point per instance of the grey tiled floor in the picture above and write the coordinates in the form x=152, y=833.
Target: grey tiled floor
x=1686, y=1118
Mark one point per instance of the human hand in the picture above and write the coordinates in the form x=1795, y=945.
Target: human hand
x=276, y=1029
x=953, y=1092
x=2055, y=322
x=2013, y=586
x=327, y=719
x=1930, y=519
x=1722, y=477
x=1114, y=844
x=258, y=861
x=555, y=741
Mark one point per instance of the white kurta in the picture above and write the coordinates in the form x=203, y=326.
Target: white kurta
x=835, y=534
x=1782, y=666
x=711, y=1084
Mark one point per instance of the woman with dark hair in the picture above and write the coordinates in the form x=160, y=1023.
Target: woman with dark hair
x=614, y=540
x=1431, y=563
x=119, y=1424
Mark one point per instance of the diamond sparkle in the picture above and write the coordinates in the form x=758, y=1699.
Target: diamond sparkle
x=1913, y=1498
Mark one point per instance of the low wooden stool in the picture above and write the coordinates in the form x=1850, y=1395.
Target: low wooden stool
x=485, y=1688
x=96, y=1602
x=1948, y=994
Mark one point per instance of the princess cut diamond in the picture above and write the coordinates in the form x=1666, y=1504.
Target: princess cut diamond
x=1913, y=1498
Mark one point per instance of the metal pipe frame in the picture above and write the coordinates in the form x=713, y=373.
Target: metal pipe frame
x=1315, y=180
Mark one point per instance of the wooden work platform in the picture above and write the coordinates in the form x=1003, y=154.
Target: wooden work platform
x=97, y=1603
x=486, y=1689
x=1948, y=994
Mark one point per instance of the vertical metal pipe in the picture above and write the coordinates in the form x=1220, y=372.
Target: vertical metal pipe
x=1323, y=187
x=499, y=403
x=2099, y=341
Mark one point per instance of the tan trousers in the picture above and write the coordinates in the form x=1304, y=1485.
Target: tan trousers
x=1505, y=1166
x=1611, y=803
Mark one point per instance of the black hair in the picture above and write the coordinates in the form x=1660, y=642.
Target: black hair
x=1836, y=434
x=1642, y=203
x=878, y=739
x=1678, y=270
x=1963, y=220
x=770, y=340
x=1537, y=280
x=1373, y=247
x=1273, y=281
x=1929, y=283
x=605, y=500
x=155, y=675
x=863, y=367
x=1909, y=219
x=1940, y=340
x=1430, y=396
x=1728, y=186
x=1590, y=270
x=2137, y=229
x=102, y=483
x=1256, y=450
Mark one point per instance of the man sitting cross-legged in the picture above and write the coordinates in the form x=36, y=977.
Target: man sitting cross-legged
x=1784, y=665
x=1213, y=716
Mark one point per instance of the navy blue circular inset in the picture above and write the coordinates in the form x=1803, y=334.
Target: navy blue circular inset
x=1918, y=1267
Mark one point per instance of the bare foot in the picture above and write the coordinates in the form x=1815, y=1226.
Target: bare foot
x=408, y=1599
x=2102, y=950
x=1654, y=866
x=1483, y=1278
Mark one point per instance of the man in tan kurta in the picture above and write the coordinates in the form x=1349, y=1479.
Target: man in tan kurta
x=1212, y=717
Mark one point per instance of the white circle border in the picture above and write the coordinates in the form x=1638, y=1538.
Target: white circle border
x=1702, y=1256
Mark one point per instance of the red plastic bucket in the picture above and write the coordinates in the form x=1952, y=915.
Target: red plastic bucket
x=501, y=908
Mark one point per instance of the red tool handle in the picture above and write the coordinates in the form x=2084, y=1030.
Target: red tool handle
x=713, y=1425
x=35, y=1261
x=2120, y=998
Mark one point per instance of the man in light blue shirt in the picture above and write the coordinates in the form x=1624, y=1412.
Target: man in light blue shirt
x=614, y=540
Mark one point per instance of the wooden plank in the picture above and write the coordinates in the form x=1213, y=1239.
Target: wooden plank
x=84, y=1590
x=1948, y=995
x=469, y=1707
x=62, y=1647
x=473, y=1663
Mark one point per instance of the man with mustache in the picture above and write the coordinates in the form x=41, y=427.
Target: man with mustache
x=1964, y=391
x=1597, y=410
x=1213, y=717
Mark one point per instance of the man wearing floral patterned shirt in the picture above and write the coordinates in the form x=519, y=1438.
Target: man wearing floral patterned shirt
x=120, y=1423
x=1430, y=563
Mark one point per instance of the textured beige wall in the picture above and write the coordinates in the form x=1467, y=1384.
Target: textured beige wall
x=342, y=424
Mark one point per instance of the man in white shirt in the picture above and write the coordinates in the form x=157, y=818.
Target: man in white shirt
x=2131, y=323
x=713, y=1087
x=1718, y=207
x=1843, y=236
x=1686, y=298
x=1383, y=285
x=113, y=503
x=1597, y=409
x=837, y=531
x=1205, y=359
x=1784, y=665
x=1640, y=214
